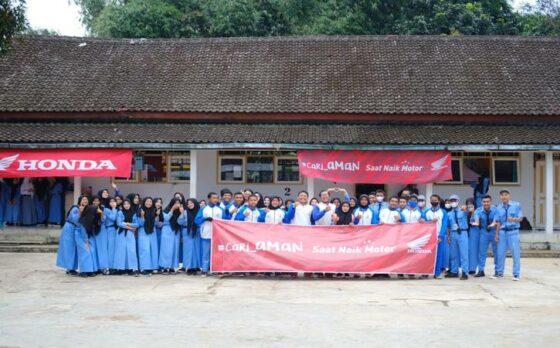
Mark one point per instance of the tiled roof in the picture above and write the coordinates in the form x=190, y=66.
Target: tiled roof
x=203, y=133
x=360, y=74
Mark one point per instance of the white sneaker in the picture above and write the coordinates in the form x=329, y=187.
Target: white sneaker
x=496, y=276
x=515, y=279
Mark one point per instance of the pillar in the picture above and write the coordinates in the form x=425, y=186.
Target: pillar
x=77, y=188
x=549, y=192
x=192, y=183
x=311, y=187
x=429, y=192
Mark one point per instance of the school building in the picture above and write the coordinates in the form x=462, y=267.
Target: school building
x=204, y=114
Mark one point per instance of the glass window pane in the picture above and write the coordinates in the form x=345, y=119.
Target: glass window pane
x=179, y=168
x=287, y=169
x=505, y=171
x=456, y=170
x=154, y=168
x=473, y=168
x=260, y=169
x=231, y=169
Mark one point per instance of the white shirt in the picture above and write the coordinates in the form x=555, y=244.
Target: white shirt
x=214, y=212
x=302, y=216
x=274, y=216
x=411, y=216
x=327, y=218
x=26, y=188
x=367, y=216
x=387, y=216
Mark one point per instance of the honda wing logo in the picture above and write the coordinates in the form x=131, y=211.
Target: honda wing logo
x=440, y=163
x=7, y=161
x=416, y=245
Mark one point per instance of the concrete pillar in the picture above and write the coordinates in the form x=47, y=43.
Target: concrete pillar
x=192, y=184
x=549, y=192
x=311, y=187
x=429, y=192
x=77, y=188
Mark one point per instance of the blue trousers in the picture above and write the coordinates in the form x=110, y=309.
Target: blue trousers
x=509, y=240
x=487, y=237
x=459, y=251
x=439, y=257
x=206, y=253
x=474, y=242
x=446, y=255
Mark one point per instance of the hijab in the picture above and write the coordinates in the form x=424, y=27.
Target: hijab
x=90, y=220
x=149, y=215
x=41, y=186
x=133, y=206
x=104, y=201
x=13, y=185
x=359, y=203
x=173, y=221
x=191, y=214
x=260, y=203
x=160, y=216
x=344, y=218
x=271, y=207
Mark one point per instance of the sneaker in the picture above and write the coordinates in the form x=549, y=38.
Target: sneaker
x=451, y=275
x=204, y=274
x=496, y=276
x=479, y=274
x=515, y=278
x=438, y=277
x=464, y=276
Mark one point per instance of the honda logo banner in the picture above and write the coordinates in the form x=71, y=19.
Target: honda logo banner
x=256, y=247
x=65, y=162
x=376, y=167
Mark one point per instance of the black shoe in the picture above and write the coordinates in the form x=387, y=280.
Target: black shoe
x=451, y=275
x=91, y=274
x=83, y=275
x=480, y=274
x=72, y=272
x=464, y=276
x=135, y=273
x=472, y=272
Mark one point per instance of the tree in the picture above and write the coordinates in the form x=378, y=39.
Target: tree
x=12, y=21
x=542, y=19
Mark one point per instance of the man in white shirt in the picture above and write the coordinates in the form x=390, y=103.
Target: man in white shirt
x=391, y=215
x=300, y=212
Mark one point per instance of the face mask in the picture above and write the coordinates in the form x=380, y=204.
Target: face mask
x=379, y=199
x=454, y=204
x=421, y=204
x=447, y=206
x=412, y=204
x=436, y=204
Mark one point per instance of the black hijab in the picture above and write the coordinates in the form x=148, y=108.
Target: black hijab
x=160, y=216
x=270, y=207
x=91, y=221
x=128, y=214
x=133, y=206
x=344, y=218
x=149, y=215
x=173, y=221
x=41, y=187
x=13, y=184
x=359, y=203
x=191, y=214
x=260, y=203
x=104, y=201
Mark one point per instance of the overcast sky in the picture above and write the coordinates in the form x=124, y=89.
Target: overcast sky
x=63, y=16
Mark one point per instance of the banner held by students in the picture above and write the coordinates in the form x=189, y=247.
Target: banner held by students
x=376, y=167
x=254, y=247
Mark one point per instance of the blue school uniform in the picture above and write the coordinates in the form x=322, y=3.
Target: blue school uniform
x=109, y=224
x=192, y=245
x=11, y=215
x=509, y=237
x=3, y=201
x=102, y=245
x=56, y=200
x=474, y=245
x=369, y=217
x=148, y=253
x=67, y=254
x=486, y=235
x=442, y=222
x=169, y=248
x=125, y=245
x=209, y=211
x=255, y=215
x=87, y=256
x=459, y=225
x=377, y=206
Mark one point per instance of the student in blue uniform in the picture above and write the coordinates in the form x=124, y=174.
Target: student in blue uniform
x=250, y=212
x=238, y=202
x=56, y=201
x=135, y=201
x=170, y=236
x=109, y=227
x=480, y=188
x=11, y=216
x=439, y=215
x=380, y=202
x=3, y=201
x=474, y=237
x=67, y=255
x=90, y=222
x=274, y=214
x=411, y=213
x=41, y=196
x=158, y=203
x=510, y=216
x=225, y=199
x=204, y=219
x=192, y=247
x=486, y=219
x=458, y=238
x=100, y=239
x=148, y=254
x=126, y=259
x=28, y=209
x=364, y=214
x=301, y=212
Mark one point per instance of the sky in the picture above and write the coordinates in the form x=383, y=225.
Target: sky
x=63, y=16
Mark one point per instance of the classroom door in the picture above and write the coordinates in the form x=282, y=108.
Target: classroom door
x=540, y=194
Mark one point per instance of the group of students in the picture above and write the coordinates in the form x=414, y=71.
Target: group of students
x=32, y=201
x=116, y=235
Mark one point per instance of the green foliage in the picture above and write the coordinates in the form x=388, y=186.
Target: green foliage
x=224, y=18
x=12, y=21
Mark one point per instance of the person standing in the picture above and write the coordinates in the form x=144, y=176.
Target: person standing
x=109, y=223
x=126, y=258
x=250, y=212
x=486, y=219
x=300, y=213
x=364, y=214
x=510, y=216
x=192, y=247
x=204, y=219
x=322, y=212
x=171, y=236
x=274, y=214
x=90, y=222
x=391, y=214
x=411, y=213
x=439, y=215
x=12, y=197
x=56, y=201
x=148, y=253
x=28, y=209
x=458, y=238
x=67, y=254
x=379, y=201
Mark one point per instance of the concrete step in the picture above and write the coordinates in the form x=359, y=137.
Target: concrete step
x=28, y=248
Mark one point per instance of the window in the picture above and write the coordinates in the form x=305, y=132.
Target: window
x=506, y=170
x=155, y=167
x=456, y=172
x=260, y=169
x=179, y=167
x=231, y=169
x=287, y=169
x=475, y=167
x=133, y=177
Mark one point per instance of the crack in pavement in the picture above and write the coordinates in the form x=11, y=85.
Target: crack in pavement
x=445, y=303
x=489, y=292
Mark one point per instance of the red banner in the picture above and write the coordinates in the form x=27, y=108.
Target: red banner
x=376, y=167
x=256, y=247
x=19, y=163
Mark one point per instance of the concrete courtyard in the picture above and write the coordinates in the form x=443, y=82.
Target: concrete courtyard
x=41, y=306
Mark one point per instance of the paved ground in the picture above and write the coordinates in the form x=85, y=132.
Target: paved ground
x=40, y=306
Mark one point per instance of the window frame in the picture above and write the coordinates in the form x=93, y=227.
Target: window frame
x=177, y=154
x=276, y=181
x=460, y=182
x=243, y=171
x=518, y=167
